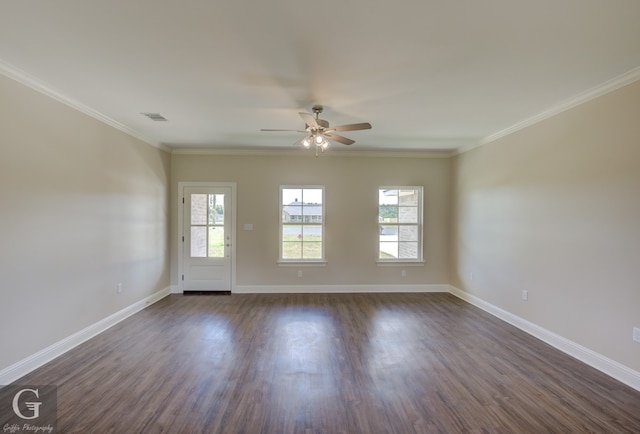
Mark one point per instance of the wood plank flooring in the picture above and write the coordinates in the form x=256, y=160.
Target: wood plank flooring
x=328, y=363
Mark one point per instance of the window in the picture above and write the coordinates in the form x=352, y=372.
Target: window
x=301, y=223
x=399, y=224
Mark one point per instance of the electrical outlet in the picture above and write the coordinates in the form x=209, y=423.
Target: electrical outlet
x=525, y=295
x=636, y=334
x=119, y=288
x=471, y=275
x=299, y=273
x=403, y=273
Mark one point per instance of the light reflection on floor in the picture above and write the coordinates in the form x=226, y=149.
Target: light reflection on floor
x=395, y=338
x=217, y=341
x=302, y=344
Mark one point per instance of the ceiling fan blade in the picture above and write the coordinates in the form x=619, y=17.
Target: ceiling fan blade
x=308, y=119
x=340, y=139
x=353, y=127
x=293, y=131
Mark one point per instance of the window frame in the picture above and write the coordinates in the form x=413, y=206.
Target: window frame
x=420, y=227
x=301, y=222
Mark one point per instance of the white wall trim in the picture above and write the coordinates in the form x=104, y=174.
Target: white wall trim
x=312, y=289
x=583, y=97
x=610, y=367
x=22, y=77
x=23, y=367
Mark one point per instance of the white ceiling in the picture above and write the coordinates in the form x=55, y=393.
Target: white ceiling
x=427, y=74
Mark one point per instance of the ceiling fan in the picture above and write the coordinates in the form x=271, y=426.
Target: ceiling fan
x=319, y=132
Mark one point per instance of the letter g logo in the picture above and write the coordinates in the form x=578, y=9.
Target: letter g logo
x=32, y=406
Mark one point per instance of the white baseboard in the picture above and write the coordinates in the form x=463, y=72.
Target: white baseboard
x=312, y=289
x=23, y=367
x=610, y=367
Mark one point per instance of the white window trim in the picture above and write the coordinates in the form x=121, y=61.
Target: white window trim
x=400, y=262
x=301, y=262
x=404, y=261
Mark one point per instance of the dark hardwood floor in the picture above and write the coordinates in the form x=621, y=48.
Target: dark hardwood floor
x=328, y=363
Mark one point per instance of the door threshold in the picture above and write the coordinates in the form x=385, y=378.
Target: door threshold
x=206, y=293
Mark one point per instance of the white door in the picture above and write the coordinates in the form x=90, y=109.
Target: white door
x=207, y=239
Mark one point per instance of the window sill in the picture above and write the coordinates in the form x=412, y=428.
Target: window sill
x=403, y=263
x=294, y=263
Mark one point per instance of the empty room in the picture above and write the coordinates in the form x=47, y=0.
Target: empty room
x=319, y=217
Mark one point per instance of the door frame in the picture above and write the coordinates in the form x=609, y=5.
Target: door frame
x=181, y=187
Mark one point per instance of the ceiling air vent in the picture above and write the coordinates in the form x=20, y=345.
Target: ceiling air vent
x=156, y=117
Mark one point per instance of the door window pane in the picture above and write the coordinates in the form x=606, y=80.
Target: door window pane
x=198, y=242
x=216, y=242
x=216, y=209
x=198, y=209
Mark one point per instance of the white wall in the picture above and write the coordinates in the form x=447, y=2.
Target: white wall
x=351, y=195
x=555, y=209
x=83, y=207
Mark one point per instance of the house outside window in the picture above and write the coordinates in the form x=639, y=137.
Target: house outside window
x=400, y=224
x=301, y=223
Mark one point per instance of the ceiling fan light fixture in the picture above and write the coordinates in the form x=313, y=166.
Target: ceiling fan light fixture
x=318, y=132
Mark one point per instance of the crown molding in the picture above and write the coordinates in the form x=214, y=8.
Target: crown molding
x=595, y=92
x=275, y=152
x=22, y=77
x=426, y=153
